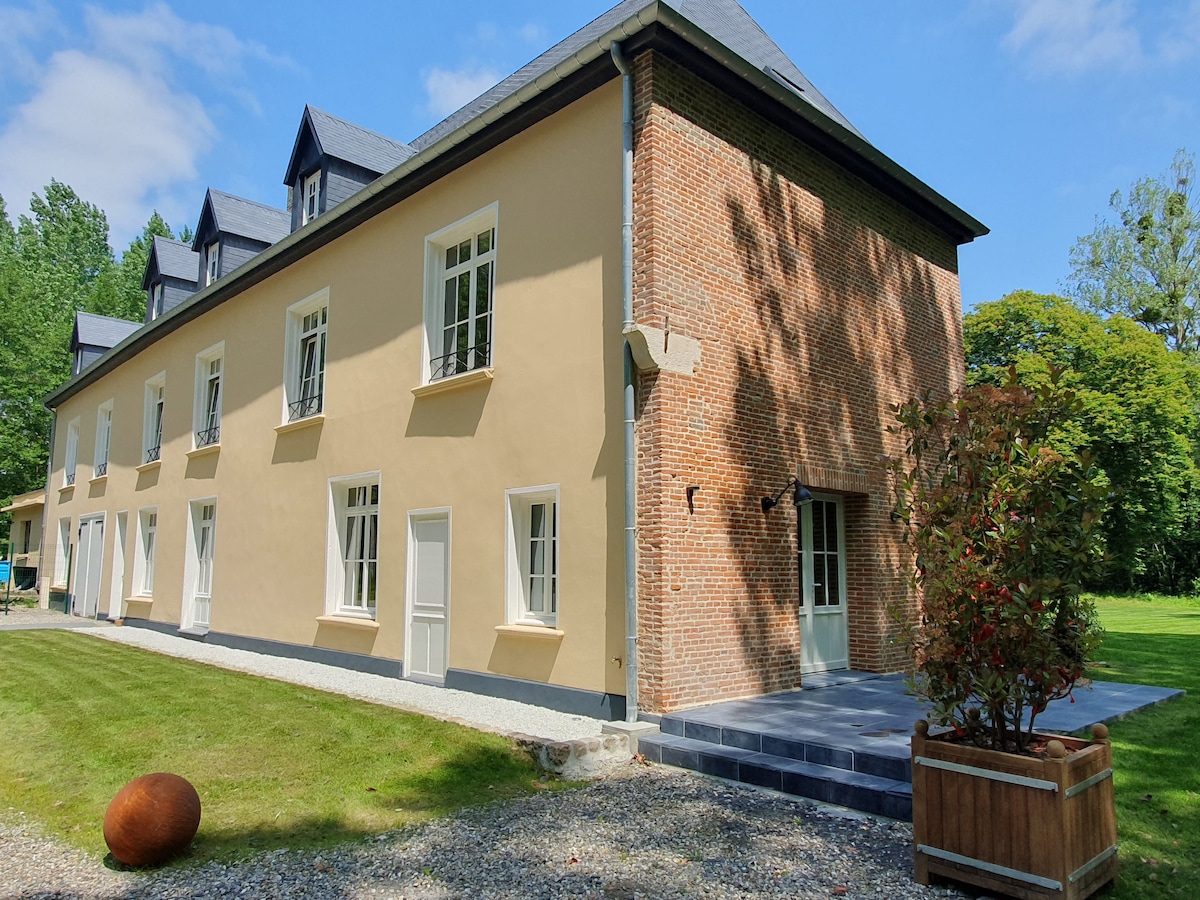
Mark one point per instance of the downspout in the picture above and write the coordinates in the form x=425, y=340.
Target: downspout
x=631, y=616
x=42, y=578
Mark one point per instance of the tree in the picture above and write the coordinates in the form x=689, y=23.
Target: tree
x=1146, y=265
x=1137, y=415
x=118, y=293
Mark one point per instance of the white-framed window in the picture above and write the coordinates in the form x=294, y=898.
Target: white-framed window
x=312, y=198
x=103, y=439
x=206, y=416
x=152, y=428
x=212, y=262
x=72, y=455
x=143, y=561
x=532, y=565
x=352, y=559
x=62, y=556
x=460, y=264
x=304, y=357
x=198, y=566
x=156, y=300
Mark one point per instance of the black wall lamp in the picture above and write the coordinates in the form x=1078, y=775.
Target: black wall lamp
x=802, y=497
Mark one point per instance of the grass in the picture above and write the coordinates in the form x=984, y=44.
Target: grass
x=276, y=765
x=1156, y=753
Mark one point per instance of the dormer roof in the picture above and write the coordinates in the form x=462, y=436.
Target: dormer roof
x=245, y=218
x=100, y=331
x=171, y=259
x=344, y=140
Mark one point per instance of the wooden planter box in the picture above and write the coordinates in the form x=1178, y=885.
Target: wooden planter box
x=1031, y=828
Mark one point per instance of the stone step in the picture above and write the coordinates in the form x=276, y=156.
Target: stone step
x=889, y=762
x=828, y=784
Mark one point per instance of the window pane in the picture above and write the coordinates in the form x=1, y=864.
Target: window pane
x=537, y=597
x=818, y=526
x=463, y=310
x=371, y=585
x=451, y=257
x=374, y=495
x=448, y=312
x=833, y=579
x=483, y=289
x=537, y=520
x=464, y=251
x=483, y=242
x=831, y=534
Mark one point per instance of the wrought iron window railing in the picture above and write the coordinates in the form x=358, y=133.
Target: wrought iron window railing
x=208, y=437
x=70, y=479
x=102, y=470
x=304, y=407
x=465, y=360
x=153, y=453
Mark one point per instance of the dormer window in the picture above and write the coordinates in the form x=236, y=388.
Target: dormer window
x=312, y=197
x=213, y=252
x=156, y=300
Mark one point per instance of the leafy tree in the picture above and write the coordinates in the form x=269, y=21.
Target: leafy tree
x=1146, y=264
x=56, y=262
x=1137, y=415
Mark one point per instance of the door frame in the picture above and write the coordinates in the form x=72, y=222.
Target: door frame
x=116, y=589
x=807, y=610
x=413, y=516
x=88, y=519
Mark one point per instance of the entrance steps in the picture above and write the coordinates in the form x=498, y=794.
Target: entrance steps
x=877, y=781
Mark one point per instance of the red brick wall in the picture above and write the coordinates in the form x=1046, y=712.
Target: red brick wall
x=818, y=302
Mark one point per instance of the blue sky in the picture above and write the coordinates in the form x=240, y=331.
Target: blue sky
x=1026, y=113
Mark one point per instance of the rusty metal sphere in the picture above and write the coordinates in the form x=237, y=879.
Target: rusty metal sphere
x=152, y=820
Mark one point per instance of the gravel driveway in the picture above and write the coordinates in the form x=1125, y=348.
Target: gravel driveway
x=648, y=832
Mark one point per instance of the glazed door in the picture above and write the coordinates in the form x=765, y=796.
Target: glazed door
x=428, y=595
x=824, y=638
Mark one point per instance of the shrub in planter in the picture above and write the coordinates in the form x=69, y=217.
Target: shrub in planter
x=1004, y=531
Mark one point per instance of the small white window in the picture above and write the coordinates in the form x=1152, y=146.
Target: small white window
x=152, y=429
x=156, y=300
x=207, y=403
x=312, y=197
x=460, y=284
x=198, y=565
x=213, y=262
x=62, y=557
x=353, y=555
x=72, y=453
x=143, y=562
x=304, y=357
x=533, y=555
x=103, y=439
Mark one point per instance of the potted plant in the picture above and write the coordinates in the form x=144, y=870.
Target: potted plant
x=1004, y=531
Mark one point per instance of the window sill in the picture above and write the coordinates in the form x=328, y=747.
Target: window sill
x=544, y=632
x=98, y=480
x=66, y=488
x=148, y=467
x=454, y=382
x=207, y=450
x=350, y=622
x=306, y=422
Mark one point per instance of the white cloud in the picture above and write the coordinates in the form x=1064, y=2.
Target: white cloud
x=1182, y=40
x=447, y=90
x=18, y=28
x=115, y=116
x=1075, y=36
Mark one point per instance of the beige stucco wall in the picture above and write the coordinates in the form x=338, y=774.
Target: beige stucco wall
x=551, y=415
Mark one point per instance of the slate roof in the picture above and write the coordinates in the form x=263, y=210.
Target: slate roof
x=724, y=20
x=101, y=331
x=344, y=140
x=245, y=218
x=172, y=259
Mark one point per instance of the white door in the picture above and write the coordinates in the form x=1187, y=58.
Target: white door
x=428, y=595
x=117, y=590
x=86, y=599
x=204, y=536
x=824, y=637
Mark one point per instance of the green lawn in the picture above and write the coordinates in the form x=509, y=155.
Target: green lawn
x=1156, y=753
x=275, y=764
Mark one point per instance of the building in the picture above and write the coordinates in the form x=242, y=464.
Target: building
x=25, y=538
x=498, y=408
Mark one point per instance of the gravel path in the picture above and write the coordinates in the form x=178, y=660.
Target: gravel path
x=650, y=833
x=644, y=832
